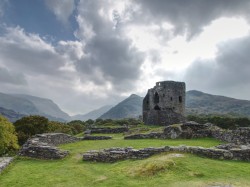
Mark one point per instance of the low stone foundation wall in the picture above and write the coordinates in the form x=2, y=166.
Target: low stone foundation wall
x=4, y=162
x=116, y=154
x=108, y=130
x=190, y=130
x=152, y=135
x=238, y=136
x=88, y=137
x=56, y=138
x=43, y=146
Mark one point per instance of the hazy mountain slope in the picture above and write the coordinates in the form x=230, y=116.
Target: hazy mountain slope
x=30, y=105
x=202, y=103
x=45, y=106
x=19, y=105
x=92, y=114
x=128, y=108
x=11, y=115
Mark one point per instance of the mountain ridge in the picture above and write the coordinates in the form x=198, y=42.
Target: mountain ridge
x=94, y=114
x=30, y=105
x=130, y=107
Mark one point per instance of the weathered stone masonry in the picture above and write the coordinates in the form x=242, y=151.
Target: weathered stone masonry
x=237, y=149
x=43, y=146
x=165, y=103
x=117, y=154
x=188, y=130
x=108, y=130
x=4, y=162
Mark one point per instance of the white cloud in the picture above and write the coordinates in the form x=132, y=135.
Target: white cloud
x=61, y=8
x=122, y=48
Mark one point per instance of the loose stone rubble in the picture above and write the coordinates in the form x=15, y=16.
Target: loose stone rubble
x=4, y=162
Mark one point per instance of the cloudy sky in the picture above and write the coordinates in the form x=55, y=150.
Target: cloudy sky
x=84, y=54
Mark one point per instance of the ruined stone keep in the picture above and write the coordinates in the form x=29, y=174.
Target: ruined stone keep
x=164, y=104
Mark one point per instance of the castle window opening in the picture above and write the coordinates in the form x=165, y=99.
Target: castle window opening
x=180, y=99
x=157, y=107
x=156, y=98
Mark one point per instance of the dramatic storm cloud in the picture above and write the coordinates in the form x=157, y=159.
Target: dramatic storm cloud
x=227, y=73
x=84, y=54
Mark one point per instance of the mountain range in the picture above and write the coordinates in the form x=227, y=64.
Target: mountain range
x=22, y=105
x=202, y=103
x=94, y=114
x=128, y=108
x=15, y=106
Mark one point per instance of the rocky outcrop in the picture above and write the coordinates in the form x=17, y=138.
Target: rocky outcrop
x=43, y=146
x=116, y=154
x=108, y=130
x=4, y=162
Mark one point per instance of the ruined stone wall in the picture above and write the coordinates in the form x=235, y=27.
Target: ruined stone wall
x=56, y=138
x=117, y=154
x=43, y=146
x=238, y=136
x=108, y=130
x=188, y=130
x=165, y=103
x=4, y=162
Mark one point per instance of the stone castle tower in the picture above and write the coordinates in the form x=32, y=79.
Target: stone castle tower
x=165, y=103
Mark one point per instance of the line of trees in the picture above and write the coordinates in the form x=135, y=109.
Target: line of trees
x=225, y=122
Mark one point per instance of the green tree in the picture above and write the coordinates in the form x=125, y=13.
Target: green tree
x=55, y=126
x=77, y=126
x=30, y=125
x=90, y=122
x=8, y=138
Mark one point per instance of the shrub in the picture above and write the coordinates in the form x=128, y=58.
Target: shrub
x=30, y=125
x=55, y=126
x=8, y=138
x=77, y=126
x=90, y=121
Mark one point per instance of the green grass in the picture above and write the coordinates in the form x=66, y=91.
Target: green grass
x=160, y=170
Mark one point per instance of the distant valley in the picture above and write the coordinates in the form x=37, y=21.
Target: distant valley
x=15, y=106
